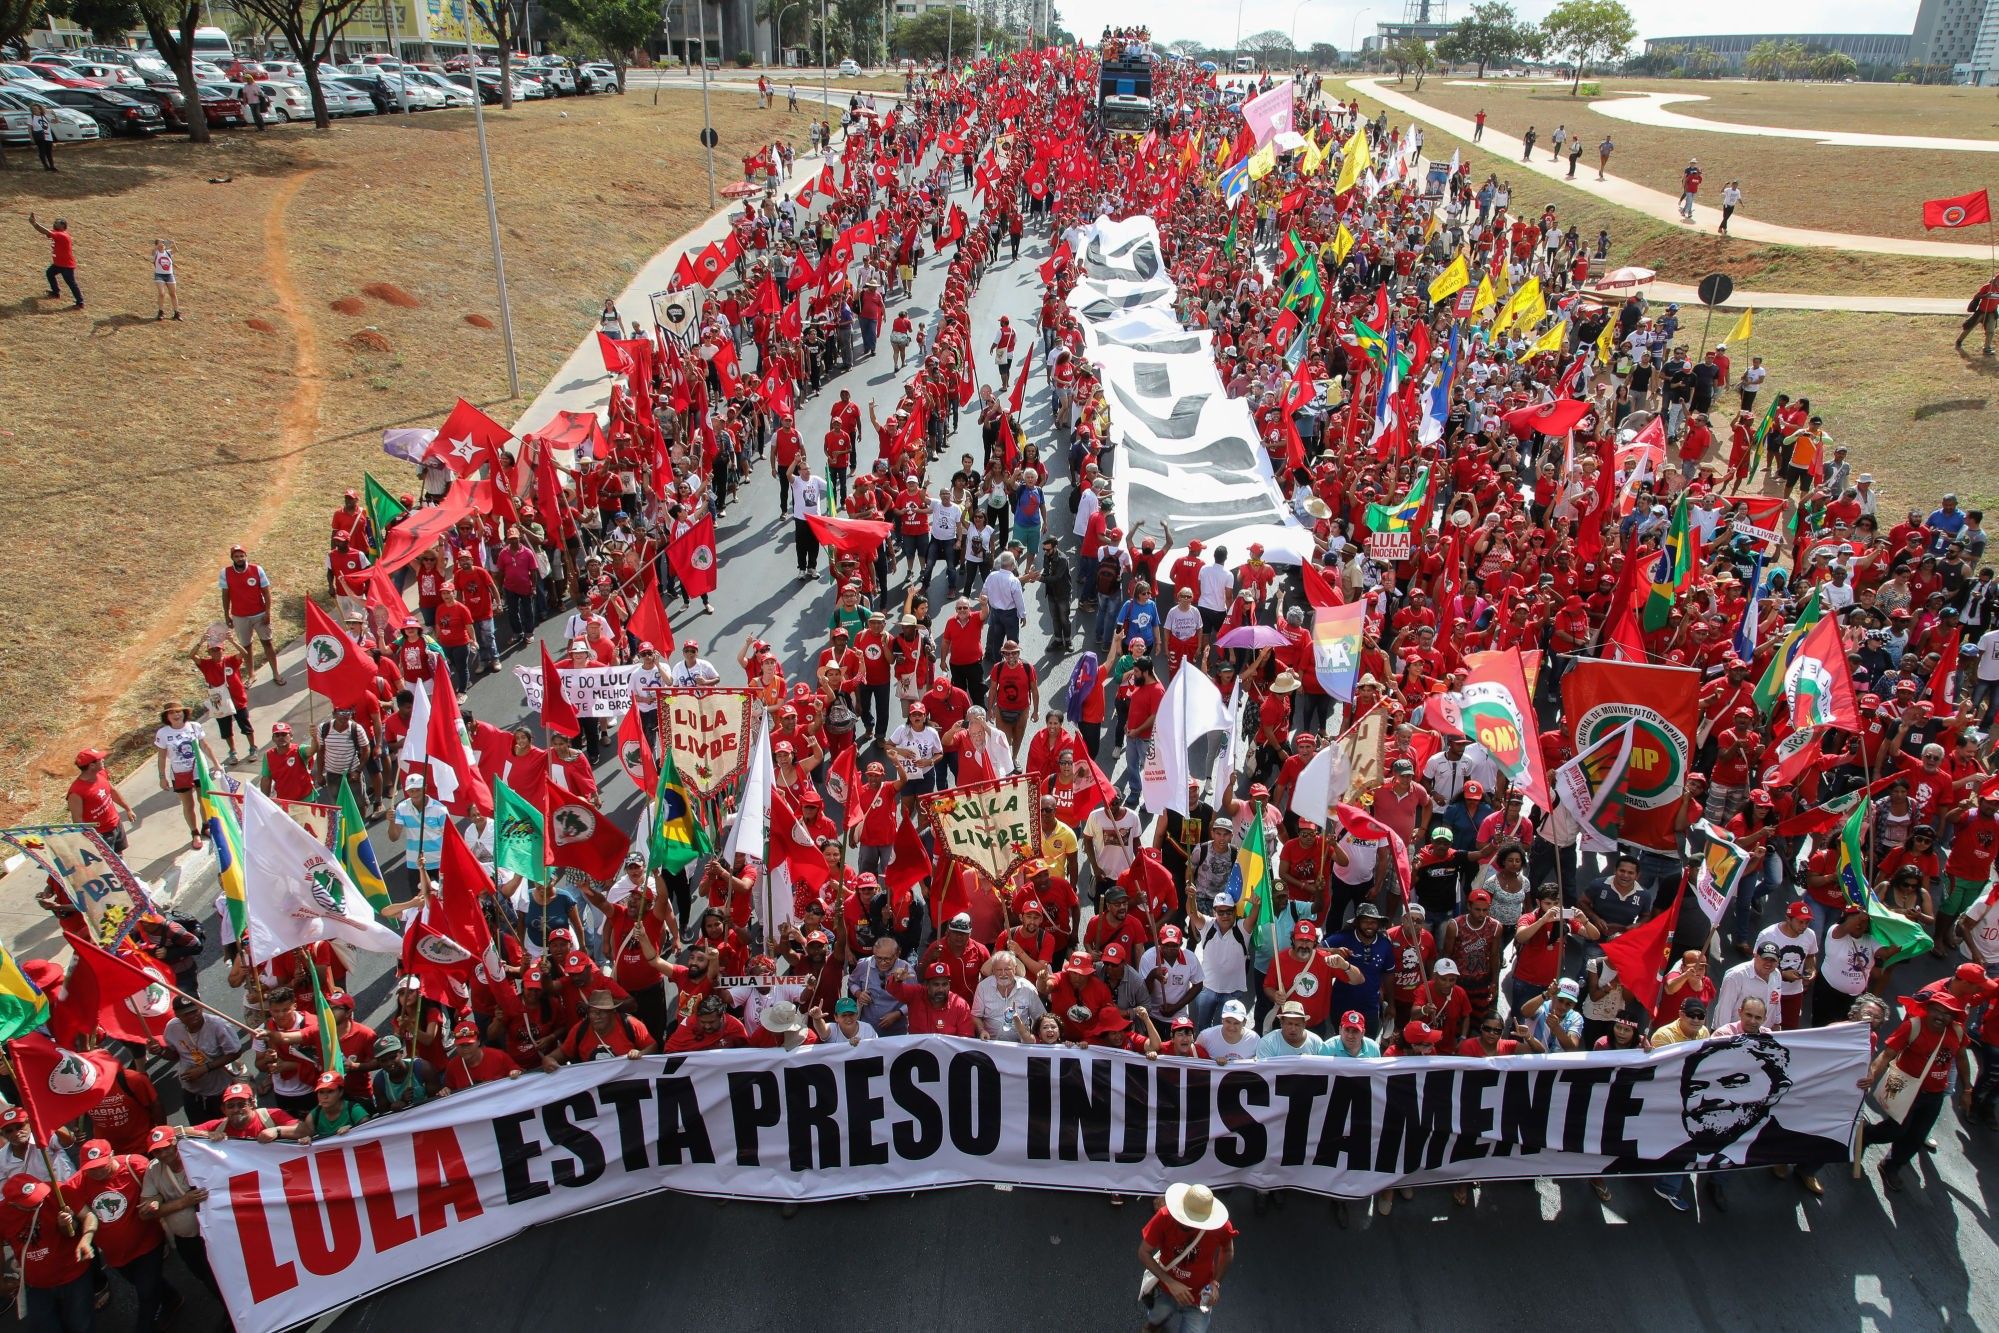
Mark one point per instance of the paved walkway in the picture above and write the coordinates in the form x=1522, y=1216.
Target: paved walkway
x=1878, y=305
x=1652, y=109
x=1659, y=204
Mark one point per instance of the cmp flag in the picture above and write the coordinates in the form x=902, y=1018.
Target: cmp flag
x=1599, y=696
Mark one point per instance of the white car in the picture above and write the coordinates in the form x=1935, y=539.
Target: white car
x=208, y=72
x=452, y=94
x=288, y=100
x=527, y=85
x=111, y=76
x=344, y=98
x=70, y=126
x=850, y=69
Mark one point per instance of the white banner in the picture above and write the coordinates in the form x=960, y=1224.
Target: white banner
x=1186, y=454
x=991, y=825
x=295, y=1231
x=594, y=691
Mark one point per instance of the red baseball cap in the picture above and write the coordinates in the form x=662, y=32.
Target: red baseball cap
x=1304, y=930
x=12, y=1116
x=936, y=970
x=1079, y=964
x=1418, y=1033
x=1114, y=953
x=1798, y=912
x=94, y=1150
x=161, y=1136
x=27, y=1191
x=238, y=1092
x=1479, y=896
x=328, y=1080
x=1170, y=935
x=1353, y=1018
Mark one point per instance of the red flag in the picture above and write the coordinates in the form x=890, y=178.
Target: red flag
x=791, y=322
x=1020, y=385
x=857, y=537
x=648, y=620
x=954, y=224
x=635, y=750
x=730, y=248
x=1049, y=265
x=1964, y=210
x=1318, y=591
x=1554, y=418
x=443, y=945
x=557, y=713
x=468, y=440
x=775, y=390
x=451, y=764
x=576, y=835
x=1819, y=683
x=968, y=385
x=909, y=865
x=683, y=272
x=1640, y=954
x=708, y=265
x=418, y=530
x=691, y=556
x=726, y=373
x=335, y=669
x=766, y=296
x=547, y=488
x=803, y=274
x=1943, y=684
x=128, y=996
x=843, y=784
x=616, y=359
x=58, y=1085
x=792, y=844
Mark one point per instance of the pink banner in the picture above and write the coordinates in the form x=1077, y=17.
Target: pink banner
x=1270, y=114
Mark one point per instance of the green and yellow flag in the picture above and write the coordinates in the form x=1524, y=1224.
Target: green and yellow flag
x=383, y=508
x=1401, y=516
x=357, y=854
x=331, y=1061
x=225, y=831
x=1771, y=687
x=677, y=839
x=1249, y=882
x=1907, y=938
x=23, y=1007
x=1672, y=570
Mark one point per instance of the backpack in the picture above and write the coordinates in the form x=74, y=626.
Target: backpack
x=1107, y=575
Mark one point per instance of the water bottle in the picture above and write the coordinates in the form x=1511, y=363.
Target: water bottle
x=1208, y=1294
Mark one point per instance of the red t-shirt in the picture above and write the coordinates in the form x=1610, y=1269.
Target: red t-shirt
x=1913, y=1044
x=454, y=624
x=1971, y=851
x=1013, y=686
x=1167, y=1238
x=122, y=1234
x=49, y=1258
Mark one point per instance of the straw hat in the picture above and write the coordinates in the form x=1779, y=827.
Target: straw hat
x=1196, y=1206
x=1286, y=682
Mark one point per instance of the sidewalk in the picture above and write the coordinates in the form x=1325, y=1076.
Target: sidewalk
x=1659, y=204
x=1875, y=305
x=159, y=853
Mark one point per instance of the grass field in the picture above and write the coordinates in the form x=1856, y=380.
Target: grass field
x=1684, y=254
x=1865, y=191
x=334, y=284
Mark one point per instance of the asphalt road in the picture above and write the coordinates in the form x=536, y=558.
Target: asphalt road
x=1777, y=1258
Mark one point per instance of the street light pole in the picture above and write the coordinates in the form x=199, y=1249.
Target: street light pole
x=1353, y=34
x=1294, y=22
x=950, y=16
x=825, y=93
x=1235, y=52
x=707, y=125
x=777, y=36
x=493, y=230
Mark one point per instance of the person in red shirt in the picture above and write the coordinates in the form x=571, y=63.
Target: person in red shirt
x=131, y=1242
x=471, y=1062
x=481, y=596
x=241, y=1117
x=1141, y=713
x=1016, y=693
x=605, y=1034
x=1968, y=866
x=935, y=1007
x=711, y=1028
x=127, y=1113
x=963, y=639
x=963, y=957
x=1187, y=1246
x=93, y=800
x=53, y=1248
x=1930, y=1046
x=1305, y=973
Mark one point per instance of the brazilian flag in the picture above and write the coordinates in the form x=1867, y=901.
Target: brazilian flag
x=1672, y=571
x=331, y=1061
x=1249, y=882
x=677, y=839
x=357, y=854
x=23, y=1006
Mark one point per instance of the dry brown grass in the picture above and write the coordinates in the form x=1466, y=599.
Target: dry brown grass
x=137, y=452
x=1684, y=254
x=1864, y=191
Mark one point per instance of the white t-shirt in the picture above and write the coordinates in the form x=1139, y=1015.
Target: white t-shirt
x=1217, y=585
x=1988, y=655
x=1847, y=962
x=1792, y=952
x=1111, y=840
x=926, y=745
x=1182, y=975
x=1215, y=1041
x=995, y=1013
x=1982, y=923
x=1740, y=983
x=179, y=743
x=1224, y=960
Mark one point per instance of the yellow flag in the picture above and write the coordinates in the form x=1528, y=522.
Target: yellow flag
x=1744, y=327
x=1551, y=341
x=1517, y=306
x=1430, y=227
x=1486, y=298
x=1606, y=342
x=1314, y=156
x=1262, y=162
x=1350, y=168
x=1222, y=151
x=1342, y=244
x=1356, y=148
x=1447, y=283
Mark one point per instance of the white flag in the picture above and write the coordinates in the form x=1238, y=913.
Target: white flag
x=1191, y=709
x=752, y=826
x=295, y=892
x=1222, y=776
x=1321, y=785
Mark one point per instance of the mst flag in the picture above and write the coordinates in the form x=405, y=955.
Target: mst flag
x=335, y=669
x=1964, y=210
x=58, y=1085
x=635, y=749
x=1818, y=685
x=579, y=836
x=691, y=556
x=298, y=893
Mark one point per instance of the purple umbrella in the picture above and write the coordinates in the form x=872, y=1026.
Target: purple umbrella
x=1253, y=636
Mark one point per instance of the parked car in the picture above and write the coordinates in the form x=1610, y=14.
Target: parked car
x=453, y=94
x=554, y=71
x=171, y=102
x=111, y=76
x=345, y=98
x=394, y=88
x=284, y=100
x=487, y=85
x=459, y=64
x=599, y=76
x=114, y=112
x=208, y=72
x=63, y=76
x=282, y=69
x=70, y=126
x=111, y=55
x=222, y=103
x=850, y=69
x=14, y=126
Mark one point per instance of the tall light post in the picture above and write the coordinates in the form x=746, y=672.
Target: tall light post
x=825, y=93
x=777, y=35
x=950, y=16
x=1353, y=34
x=1294, y=22
x=707, y=125
x=1235, y=52
x=493, y=231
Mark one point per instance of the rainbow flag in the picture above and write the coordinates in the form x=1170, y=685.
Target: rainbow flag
x=218, y=816
x=23, y=1007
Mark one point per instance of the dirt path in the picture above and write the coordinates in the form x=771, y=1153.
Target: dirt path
x=297, y=427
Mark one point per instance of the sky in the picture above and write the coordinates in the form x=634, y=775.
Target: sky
x=1214, y=21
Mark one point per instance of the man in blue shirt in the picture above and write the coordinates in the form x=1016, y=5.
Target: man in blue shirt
x=1367, y=948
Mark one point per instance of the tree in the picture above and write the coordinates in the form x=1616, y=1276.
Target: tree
x=17, y=19
x=169, y=23
x=618, y=26
x=501, y=20
x=925, y=36
x=1588, y=30
x=1409, y=54
x=1268, y=43
x=1833, y=66
x=309, y=28
x=1186, y=47
x=1490, y=35
x=1324, y=55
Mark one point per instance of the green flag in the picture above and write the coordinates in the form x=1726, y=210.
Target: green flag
x=331, y=1061
x=23, y=1006
x=1771, y=688
x=1228, y=244
x=357, y=854
x=383, y=508
x=225, y=834
x=677, y=839
x=1672, y=570
x=1307, y=290
x=1898, y=932
x=517, y=835
x=1250, y=880
x=1402, y=515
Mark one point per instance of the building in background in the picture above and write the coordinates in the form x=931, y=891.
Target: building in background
x=1427, y=19
x=1870, y=50
x=1946, y=33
